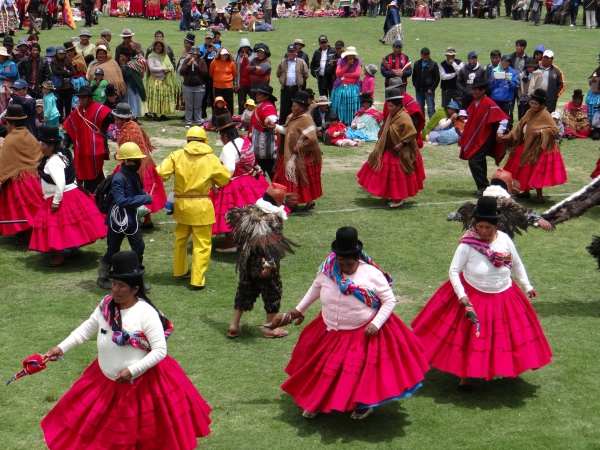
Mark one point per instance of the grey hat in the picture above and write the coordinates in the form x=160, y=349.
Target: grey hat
x=22, y=41
x=393, y=94
x=61, y=49
x=210, y=35
x=396, y=82
x=85, y=32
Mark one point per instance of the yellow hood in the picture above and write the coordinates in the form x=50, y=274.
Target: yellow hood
x=197, y=148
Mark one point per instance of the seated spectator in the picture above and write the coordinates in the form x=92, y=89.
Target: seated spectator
x=443, y=119
x=519, y=9
x=575, y=117
x=366, y=122
x=561, y=127
x=459, y=123
x=337, y=133
x=448, y=8
x=321, y=117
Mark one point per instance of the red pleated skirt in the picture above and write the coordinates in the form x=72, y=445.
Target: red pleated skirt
x=136, y=7
x=76, y=223
x=161, y=410
x=596, y=171
x=511, y=339
x=19, y=200
x=307, y=193
x=391, y=181
x=340, y=370
x=548, y=171
x=151, y=180
x=152, y=9
x=242, y=191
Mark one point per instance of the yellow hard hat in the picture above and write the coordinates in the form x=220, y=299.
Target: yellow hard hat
x=196, y=134
x=130, y=150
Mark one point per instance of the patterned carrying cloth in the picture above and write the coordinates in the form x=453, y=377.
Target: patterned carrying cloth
x=137, y=340
x=347, y=287
x=498, y=259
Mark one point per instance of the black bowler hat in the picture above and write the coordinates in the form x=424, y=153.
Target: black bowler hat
x=366, y=97
x=263, y=88
x=84, y=91
x=8, y=40
x=15, y=112
x=487, y=209
x=302, y=98
x=191, y=37
x=110, y=90
x=49, y=135
x=224, y=121
x=539, y=95
x=479, y=82
x=578, y=93
x=125, y=266
x=346, y=242
x=124, y=50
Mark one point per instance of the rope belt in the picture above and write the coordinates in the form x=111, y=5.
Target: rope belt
x=191, y=195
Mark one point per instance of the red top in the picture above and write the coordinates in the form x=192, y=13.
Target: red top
x=244, y=75
x=340, y=127
x=262, y=111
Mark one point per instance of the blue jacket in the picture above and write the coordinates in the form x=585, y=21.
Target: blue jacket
x=502, y=90
x=129, y=196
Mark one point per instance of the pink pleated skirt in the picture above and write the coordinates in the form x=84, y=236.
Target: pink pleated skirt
x=19, y=200
x=548, y=171
x=511, y=339
x=342, y=370
x=161, y=410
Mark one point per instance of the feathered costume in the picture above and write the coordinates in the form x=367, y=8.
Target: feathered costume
x=258, y=232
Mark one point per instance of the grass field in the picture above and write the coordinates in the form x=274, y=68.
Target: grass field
x=554, y=408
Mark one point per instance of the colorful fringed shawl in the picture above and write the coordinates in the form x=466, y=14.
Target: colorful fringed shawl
x=498, y=259
x=122, y=337
x=347, y=287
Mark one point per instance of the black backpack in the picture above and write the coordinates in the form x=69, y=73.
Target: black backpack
x=103, y=194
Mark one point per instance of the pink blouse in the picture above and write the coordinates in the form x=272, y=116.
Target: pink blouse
x=346, y=76
x=346, y=312
x=368, y=85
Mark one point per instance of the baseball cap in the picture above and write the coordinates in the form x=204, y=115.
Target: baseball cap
x=397, y=43
x=555, y=115
x=291, y=48
x=472, y=55
x=451, y=51
x=540, y=48
x=210, y=35
x=505, y=57
x=425, y=51
x=99, y=72
x=549, y=53
x=323, y=38
x=339, y=44
x=224, y=51
x=20, y=84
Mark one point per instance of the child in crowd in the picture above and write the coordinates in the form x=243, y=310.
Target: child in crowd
x=337, y=132
x=51, y=114
x=368, y=82
x=561, y=127
x=39, y=114
x=247, y=115
x=461, y=120
x=281, y=10
x=112, y=97
x=99, y=86
x=256, y=6
x=219, y=108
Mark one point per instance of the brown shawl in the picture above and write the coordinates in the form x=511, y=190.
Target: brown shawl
x=237, y=22
x=398, y=128
x=112, y=74
x=534, y=145
x=297, y=145
x=19, y=156
x=79, y=63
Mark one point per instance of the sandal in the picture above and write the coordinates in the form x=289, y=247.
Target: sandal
x=309, y=415
x=277, y=333
x=393, y=204
x=232, y=334
x=360, y=416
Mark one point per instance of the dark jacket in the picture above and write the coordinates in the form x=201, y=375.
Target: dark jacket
x=449, y=69
x=316, y=117
x=488, y=77
x=28, y=104
x=63, y=71
x=315, y=62
x=128, y=195
x=198, y=76
x=465, y=78
x=330, y=71
x=513, y=62
x=42, y=73
x=556, y=87
x=425, y=77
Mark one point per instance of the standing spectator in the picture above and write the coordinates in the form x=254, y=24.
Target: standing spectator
x=574, y=10
x=267, y=8
x=373, y=9
x=105, y=38
x=449, y=74
x=482, y=133
x=517, y=62
x=194, y=72
x=590, y=7
x=293, y=74
x=32, y=10
x=494, y=65
x=128, y=41
x=368, y=83
x=160, y=82
x=508, y=7
x=345, y=95
x=299, y=50
x=62, y=71
x=89, y=147
x=18, y=96
x=553, y=81
x=223, y=72
x=133, y=68
x=35, y=70
x=426, y=77
x=318, y=63
x=332, y=65
x=51, y=115
x=262, y=123
x=159, y=36
x=195, y=169
x=84, y=47
x=22, y=50
x=87, y=7
x=503, y=89
x=530, y=80
x=186, y=11
x=242, y=80
x=79, y=66
x=464, y=81
x=396, y=64
x=209, y=50
x=392, y=27
x=259, y=66
x=321, y=116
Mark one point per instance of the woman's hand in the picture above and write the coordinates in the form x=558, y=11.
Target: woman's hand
x=371, y=330
x=53, y=352
x=123, y=376
x=54, y=207
x=398, y=147
x=463, y=301
x=532, y=294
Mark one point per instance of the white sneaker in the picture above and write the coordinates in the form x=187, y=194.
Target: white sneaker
x=187, y=126
x=572, y=25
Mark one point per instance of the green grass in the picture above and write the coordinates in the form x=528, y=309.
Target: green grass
x=555, y=407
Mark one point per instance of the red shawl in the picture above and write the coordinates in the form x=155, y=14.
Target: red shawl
x=483, y=121
x=260, y=114
x=88, y=143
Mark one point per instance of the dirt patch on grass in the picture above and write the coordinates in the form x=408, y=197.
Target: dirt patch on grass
x=159, y=142
x=342, y=164
x=403, y=299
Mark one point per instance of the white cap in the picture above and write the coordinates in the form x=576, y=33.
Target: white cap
x=224, y=51
x=549, y=54
x=555, y=115
x=462, y=112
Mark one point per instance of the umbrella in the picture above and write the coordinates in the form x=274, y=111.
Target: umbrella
x=33, y=364
x=471, y=316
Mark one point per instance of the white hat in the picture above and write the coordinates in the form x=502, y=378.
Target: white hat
x=350, y=51
x=549, y=54
x=462, y=112
x=555, y=115
x=3, y=51
x=224, y=51
x=323, y=101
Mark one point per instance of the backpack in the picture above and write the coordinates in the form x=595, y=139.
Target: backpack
x=103, y=194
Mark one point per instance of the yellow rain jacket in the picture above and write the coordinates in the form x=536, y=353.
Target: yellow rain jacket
x=196, y=169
